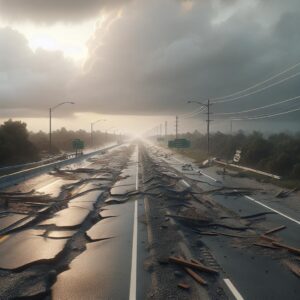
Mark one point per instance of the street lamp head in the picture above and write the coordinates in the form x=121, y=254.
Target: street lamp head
x=62, y=103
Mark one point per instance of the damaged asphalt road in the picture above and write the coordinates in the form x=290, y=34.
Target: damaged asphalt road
x=133, y=223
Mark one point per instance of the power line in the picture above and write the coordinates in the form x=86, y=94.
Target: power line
x=258, y=108
x=257, y=91
x=195, y=113
x=259, y=83
x=266, y=116
x=192, y=113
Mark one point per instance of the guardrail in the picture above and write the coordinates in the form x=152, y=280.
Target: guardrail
x=11, y=169
x=14, y=178
x=248, y=169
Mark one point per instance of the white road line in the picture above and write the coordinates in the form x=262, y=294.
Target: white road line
x=132, y=292
x=272, y=209
x=137, y=170
x=233, y=289
x=215, y=180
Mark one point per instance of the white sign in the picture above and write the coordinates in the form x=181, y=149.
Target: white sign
x=237, y=156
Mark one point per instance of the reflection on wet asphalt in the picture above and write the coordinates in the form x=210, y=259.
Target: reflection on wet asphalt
x=76, y=213
x=103, y=270
x=10, y=219
x=26, y=247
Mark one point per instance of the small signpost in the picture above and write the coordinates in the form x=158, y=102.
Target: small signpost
x=78, y=146
x=179, y=143
x=237, y=156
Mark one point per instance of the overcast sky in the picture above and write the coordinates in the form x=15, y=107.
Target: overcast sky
x=122, y=59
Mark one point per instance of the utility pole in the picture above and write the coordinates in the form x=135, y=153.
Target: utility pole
x=208, y=126
x=160, y=130
x=208, y=120
x=231, y=126
x=176, y=126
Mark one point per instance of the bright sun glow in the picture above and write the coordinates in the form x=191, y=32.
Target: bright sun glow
x=70, y=39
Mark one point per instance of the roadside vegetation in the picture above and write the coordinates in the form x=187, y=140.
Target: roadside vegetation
x=276, y=153
x=18, y=145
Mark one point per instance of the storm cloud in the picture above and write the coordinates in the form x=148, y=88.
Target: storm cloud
x=153, y=56
x=30, y=80
x=45, y=11
x=159, y=55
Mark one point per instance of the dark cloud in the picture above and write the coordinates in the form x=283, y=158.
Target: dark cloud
x=46, y=11
x=158, y=54
x=30, y=81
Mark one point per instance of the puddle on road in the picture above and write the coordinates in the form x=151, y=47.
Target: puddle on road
x=85, y=188
x=116, y=217
x=68, y=218
x=86, y=201
x=76, y=212
x=54, y=188
x=27, y=247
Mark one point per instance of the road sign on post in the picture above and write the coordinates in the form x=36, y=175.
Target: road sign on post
x=179, y=143
x=237, y=156
x=78, y=145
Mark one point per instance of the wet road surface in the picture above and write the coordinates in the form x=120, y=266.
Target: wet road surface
x=105, y=229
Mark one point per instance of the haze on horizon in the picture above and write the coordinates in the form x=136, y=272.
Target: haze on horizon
x=137, y=63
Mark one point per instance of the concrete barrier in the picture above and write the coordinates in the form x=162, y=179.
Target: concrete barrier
x=14, y=178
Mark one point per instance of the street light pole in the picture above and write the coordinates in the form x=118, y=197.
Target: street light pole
x=92, y=128
x=208, y=105
x=50, y=130
x=50, y=122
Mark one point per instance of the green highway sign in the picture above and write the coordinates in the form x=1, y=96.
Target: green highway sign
x=179, y=143
x=78, y=144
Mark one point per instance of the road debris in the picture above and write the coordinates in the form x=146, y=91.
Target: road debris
x=285, y=194
x=287, y=247
x=268, y=238
x=275, y=229
x=258, y=215
x=195, y=276
x=265, y=245
x=192, y=265
x=183, y=286
x=293, y=266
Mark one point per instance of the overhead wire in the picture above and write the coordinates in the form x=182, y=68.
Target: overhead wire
x=192, y=113
x=266, y=116
x=258, y=108
x=256, y=91
x=259, y=83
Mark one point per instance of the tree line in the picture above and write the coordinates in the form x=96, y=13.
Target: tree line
x=276, y=153
x=18, y=145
